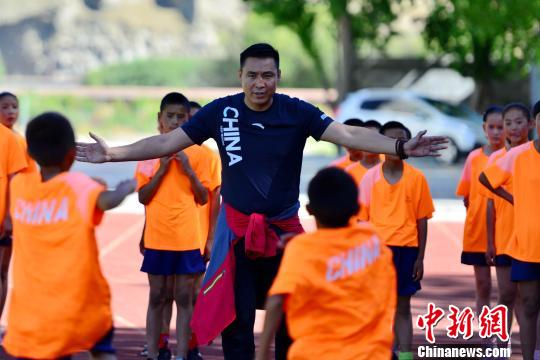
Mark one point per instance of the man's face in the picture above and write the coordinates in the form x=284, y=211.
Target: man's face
x=259, y=78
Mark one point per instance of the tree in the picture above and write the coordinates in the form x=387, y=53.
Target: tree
x=485, y=39
x=355, y=23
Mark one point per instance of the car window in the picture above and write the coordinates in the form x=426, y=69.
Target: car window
x=402, y=106
x=460, y=111
x=373, y=104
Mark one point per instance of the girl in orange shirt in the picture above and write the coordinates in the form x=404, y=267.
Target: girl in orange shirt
x=9, y=114
x=475, y=231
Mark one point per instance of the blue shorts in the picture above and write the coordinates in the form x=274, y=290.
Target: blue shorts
x=525, y=271
x=6, y=240
x=503, y=260
x=473, y=258
x=404, y=259
x=165, y=262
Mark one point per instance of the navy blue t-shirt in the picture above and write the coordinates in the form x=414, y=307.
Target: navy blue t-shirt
x=261, y=151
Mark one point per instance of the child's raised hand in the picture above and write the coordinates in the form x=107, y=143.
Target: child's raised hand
x=183, y=160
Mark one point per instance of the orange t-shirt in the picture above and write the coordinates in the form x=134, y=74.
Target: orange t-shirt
x=172, y=216
x=395, y=209
x=340, y=288
x=32, y=166
x=11, y=161
x=475, y=230
x=504, y=211
x=522, y=165
x=357, y=171
x=342, y=162
x=60, y=302
x=211, y=181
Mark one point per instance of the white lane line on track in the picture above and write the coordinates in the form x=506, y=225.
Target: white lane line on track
x=450, y=234
x=126, y=323
x=126, y=234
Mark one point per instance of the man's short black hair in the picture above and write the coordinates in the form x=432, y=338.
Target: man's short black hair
x=536, y=109
x=493, y=109
x=174, y=98
x=50, y=137
x=354, y=122
x=395, y=125
x=517, y=106
x=333, y=197
x=259, y=51
x=373, y=124
x=194, y=105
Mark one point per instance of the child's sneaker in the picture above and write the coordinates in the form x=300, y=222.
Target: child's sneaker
x=144, y=351
x=164, y=354
x=194, y=354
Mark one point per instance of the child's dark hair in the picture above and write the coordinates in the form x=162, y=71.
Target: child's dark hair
x=536, y=109
x=174, y=98
x=7, y=93
x=517, y=106
x=333, y=197
x=493, y=109
x=50, y=137
x=194, y=105
x=354, y=122
x=395, y=125
x=259, y=51
x=373, y=124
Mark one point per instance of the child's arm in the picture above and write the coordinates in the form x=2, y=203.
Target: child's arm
x=498, y=191
x=490, y=253
x=147, y=192
x=215, y=202
x=272, y=320
x=110, y=199
x=198, y=189
x=422, y=228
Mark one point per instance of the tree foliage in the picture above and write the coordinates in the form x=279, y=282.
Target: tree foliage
x=485, y=39
x=354, y=23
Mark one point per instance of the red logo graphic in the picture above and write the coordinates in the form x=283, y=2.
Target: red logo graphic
x=461, y=322
x=491, y=322
x=430, y=320
x=494, y=322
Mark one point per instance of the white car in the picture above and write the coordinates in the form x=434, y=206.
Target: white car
x=460, y=124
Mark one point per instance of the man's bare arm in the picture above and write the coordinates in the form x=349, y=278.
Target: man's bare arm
x=149, y=148
x=371, y=141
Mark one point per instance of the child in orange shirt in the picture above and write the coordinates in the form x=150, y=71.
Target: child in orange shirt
x=337, y=285
x=395, y=198
x=171, y=189
x=500, y=214
x=520, y=168
x=9, y=114
x=475, y=231
x=352, y=155
x=54, y=214
x=367, y=160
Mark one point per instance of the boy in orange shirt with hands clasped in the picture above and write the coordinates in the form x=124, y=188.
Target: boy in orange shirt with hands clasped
x=395, y=198
x=337, y=285
x=56, y=264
